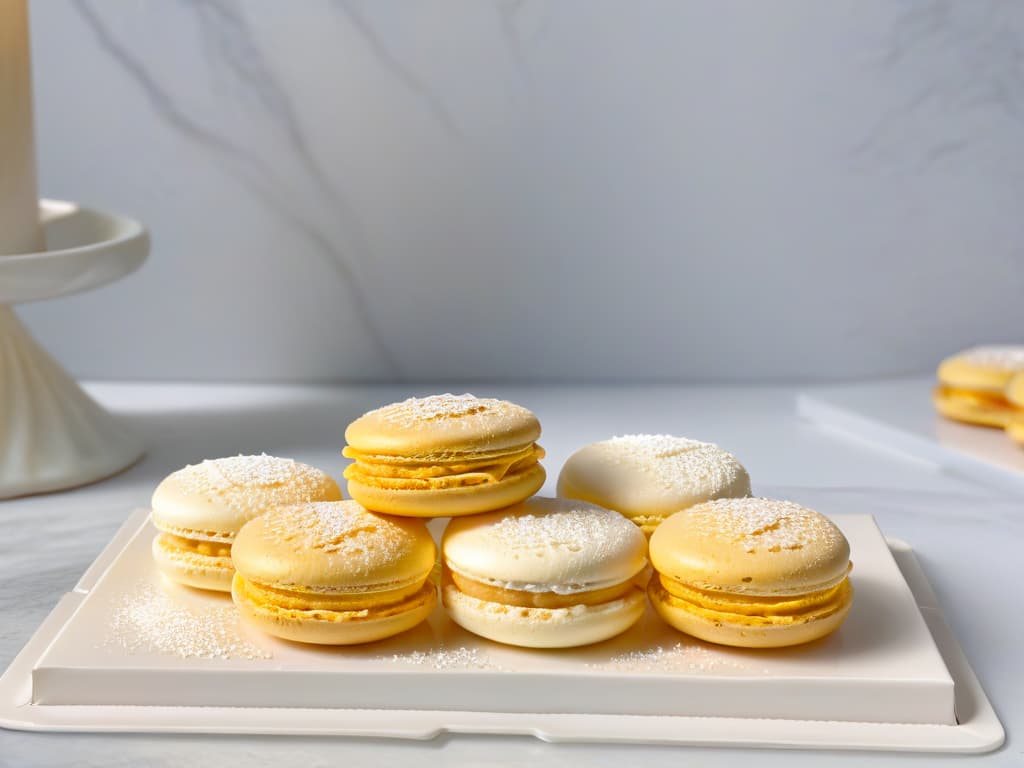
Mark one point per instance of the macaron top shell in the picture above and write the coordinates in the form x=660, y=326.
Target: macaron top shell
x=753, y=546
x=652, y=474
x=550, y=545
x=443, y=424
x=214, y=499
x=333, y=547
x=983, y=368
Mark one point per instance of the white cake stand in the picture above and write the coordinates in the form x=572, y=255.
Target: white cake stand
x=52, y=434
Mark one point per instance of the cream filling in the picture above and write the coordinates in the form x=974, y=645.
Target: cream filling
x=356, y=590
x=444, y=476
x=567, y=588
x=202, y=547
x=351, y=600
x=192, y=533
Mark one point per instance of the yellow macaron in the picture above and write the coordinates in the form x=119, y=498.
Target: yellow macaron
x=200, y=508
x=647, y=478
x=973, y=385
x=333, y=573
x=546, y=573
x=752, y=573
x=443, y=456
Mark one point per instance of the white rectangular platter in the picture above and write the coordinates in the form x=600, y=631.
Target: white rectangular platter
x=127, y=651
x=899, y=415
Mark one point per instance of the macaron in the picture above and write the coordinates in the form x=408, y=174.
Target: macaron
x=444, y=456
x=200, y=508
x=333, y=573
x=972, y=385
x=752, y=573
x=647, y=478
x=545, y=573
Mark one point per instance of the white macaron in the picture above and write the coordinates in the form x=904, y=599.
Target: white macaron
x=544, y=573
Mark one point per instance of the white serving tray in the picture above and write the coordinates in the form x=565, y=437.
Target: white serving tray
x=893, y=661
x=899, y=415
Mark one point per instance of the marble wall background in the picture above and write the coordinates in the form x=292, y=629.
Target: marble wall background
x=549, y=189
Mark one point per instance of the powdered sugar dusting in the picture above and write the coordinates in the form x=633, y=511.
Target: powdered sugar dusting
x=1006, y=356
x=681, y=465
x=466, y=408
x=578, y=528
x=249, y=485
x=148, y=621
x=255, y=471
x=683, y=658
x=446, y=406
x=759, y=524
x=546, y=545
x=344, y=527
x=444, y=659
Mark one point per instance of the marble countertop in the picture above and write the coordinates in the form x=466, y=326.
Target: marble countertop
x=966, y=536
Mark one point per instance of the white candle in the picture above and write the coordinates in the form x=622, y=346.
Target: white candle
x=19, y=206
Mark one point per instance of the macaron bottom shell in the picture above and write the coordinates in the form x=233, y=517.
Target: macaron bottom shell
x=324, y=626
x=194, y=563
x=543, y=627
x=742, y=626
x=450, y=502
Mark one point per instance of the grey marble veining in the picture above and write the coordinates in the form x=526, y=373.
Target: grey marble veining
x=527, y=189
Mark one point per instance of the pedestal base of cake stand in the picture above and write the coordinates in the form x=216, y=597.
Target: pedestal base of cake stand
x=54, y=436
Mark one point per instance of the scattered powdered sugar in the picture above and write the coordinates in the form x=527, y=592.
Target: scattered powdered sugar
x=444, y=659
x=149, y=621
x=682, y=465
x=1006, y=356
x=762, y=524
x=686, y=658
